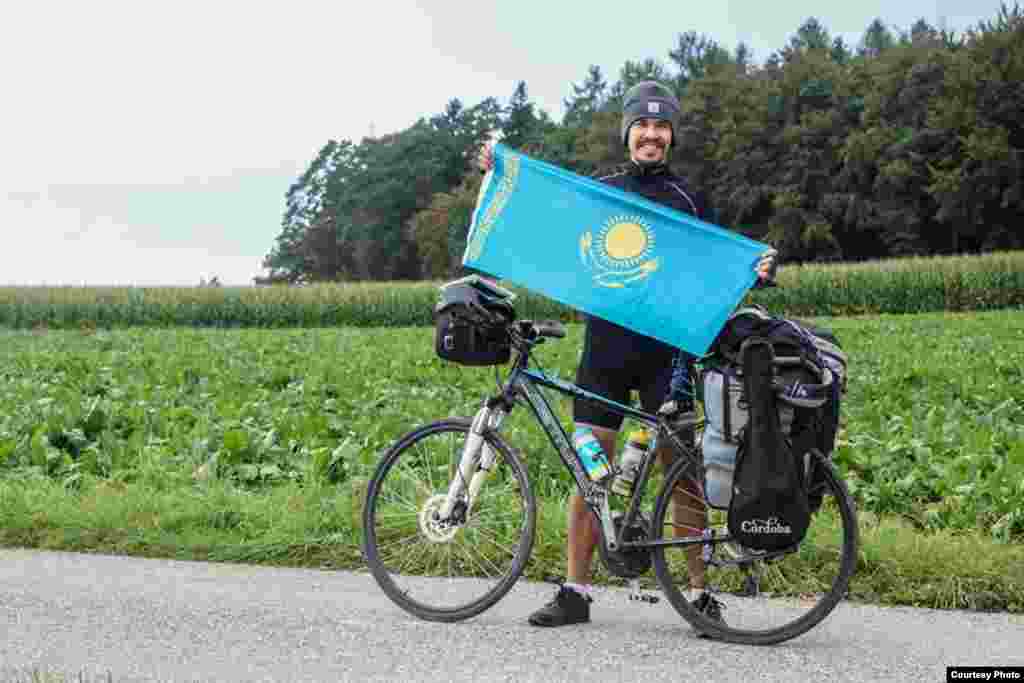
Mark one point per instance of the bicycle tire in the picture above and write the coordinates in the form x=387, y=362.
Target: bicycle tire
x=508, y=471
x=757, y=625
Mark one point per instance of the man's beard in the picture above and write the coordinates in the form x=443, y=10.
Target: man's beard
x=654, y=142
x=651, y=163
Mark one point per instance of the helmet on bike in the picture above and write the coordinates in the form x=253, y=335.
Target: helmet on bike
x=648, y=100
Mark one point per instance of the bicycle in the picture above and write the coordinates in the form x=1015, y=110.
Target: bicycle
x=453, y=499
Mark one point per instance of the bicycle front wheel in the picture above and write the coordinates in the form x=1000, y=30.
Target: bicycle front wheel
x=479, y=553
x=764, y=598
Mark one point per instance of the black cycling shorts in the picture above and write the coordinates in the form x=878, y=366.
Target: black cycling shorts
x=616, y=361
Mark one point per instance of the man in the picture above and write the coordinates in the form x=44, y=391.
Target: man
x=616, y=360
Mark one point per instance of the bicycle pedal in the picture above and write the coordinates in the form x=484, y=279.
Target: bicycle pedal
x=637, y=595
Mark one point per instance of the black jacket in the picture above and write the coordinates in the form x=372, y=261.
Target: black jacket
x=659, y=185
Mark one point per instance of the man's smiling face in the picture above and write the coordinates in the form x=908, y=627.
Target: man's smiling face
x=649, y=140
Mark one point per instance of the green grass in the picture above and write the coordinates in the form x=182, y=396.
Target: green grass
x=910, y=285
x=899, y=564
x=935, y=419
x=255, y=445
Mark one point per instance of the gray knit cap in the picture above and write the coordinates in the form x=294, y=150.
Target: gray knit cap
x=649, y=100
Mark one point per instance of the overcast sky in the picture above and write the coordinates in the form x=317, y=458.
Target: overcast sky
x=152, y=143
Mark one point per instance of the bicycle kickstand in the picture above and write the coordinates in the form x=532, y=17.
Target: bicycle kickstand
x=639, y=595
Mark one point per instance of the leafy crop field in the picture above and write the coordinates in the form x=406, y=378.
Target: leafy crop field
x=912, y=285
x=255, y=445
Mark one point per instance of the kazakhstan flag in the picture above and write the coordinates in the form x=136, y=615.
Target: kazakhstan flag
x=608, y=253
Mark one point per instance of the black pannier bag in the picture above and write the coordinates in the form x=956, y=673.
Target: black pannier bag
x=769, y=509
x=471, y=322
x=809, y=377
x=726, y=418
x=802, y=354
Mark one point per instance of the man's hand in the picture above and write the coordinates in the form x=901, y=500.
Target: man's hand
x=485, y=160
x=766, y=267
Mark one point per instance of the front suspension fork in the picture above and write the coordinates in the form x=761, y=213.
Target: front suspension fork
x=476, y=461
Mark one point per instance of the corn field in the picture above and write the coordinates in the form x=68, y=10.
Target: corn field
x=913, y=285
x=908, y=285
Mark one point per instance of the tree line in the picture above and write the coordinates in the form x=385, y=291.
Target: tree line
x=909, y=143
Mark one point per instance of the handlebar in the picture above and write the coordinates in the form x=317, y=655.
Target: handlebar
x=537, y=331
x=549, y=328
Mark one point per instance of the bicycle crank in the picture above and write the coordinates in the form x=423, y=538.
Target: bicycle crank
x=628, y=562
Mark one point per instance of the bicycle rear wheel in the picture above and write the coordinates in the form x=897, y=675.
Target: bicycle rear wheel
x=765, y=598
x=480, y=552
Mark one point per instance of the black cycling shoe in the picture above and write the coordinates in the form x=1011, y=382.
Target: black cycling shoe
x=567, y=607
x=710, y=608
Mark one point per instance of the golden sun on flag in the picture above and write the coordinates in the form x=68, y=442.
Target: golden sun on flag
x=624, y=242
x=621, y=252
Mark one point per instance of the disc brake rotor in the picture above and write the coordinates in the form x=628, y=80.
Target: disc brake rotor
x=437, y=530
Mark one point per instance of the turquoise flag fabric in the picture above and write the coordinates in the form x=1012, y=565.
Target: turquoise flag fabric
x=608, y=253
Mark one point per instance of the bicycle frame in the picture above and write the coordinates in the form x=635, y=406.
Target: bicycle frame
x=523, y=382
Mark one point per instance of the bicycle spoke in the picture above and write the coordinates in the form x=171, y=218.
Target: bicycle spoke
x=405, y=541
x=411, y=505
x=428, y=465
x=496, y=530
x=696, y=530
x=479, y=563
x=493, y=540
x=398, y=516
x=397, y=546
x=410, y=559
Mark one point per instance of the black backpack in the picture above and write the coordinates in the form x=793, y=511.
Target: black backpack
x=769, y=509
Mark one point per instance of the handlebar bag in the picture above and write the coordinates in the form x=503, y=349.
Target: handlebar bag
x=471, y=328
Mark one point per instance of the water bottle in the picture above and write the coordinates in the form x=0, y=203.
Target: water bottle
x=719, y=466
x=591, y=454
x=629, y=465
x=720, y=449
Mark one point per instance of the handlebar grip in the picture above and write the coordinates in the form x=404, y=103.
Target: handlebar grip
x=549, y=328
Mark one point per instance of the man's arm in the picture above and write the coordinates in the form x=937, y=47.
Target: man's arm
x=680, y=390
x=485, y=159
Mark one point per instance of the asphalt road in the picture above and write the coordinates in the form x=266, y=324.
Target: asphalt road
x=90, y=617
